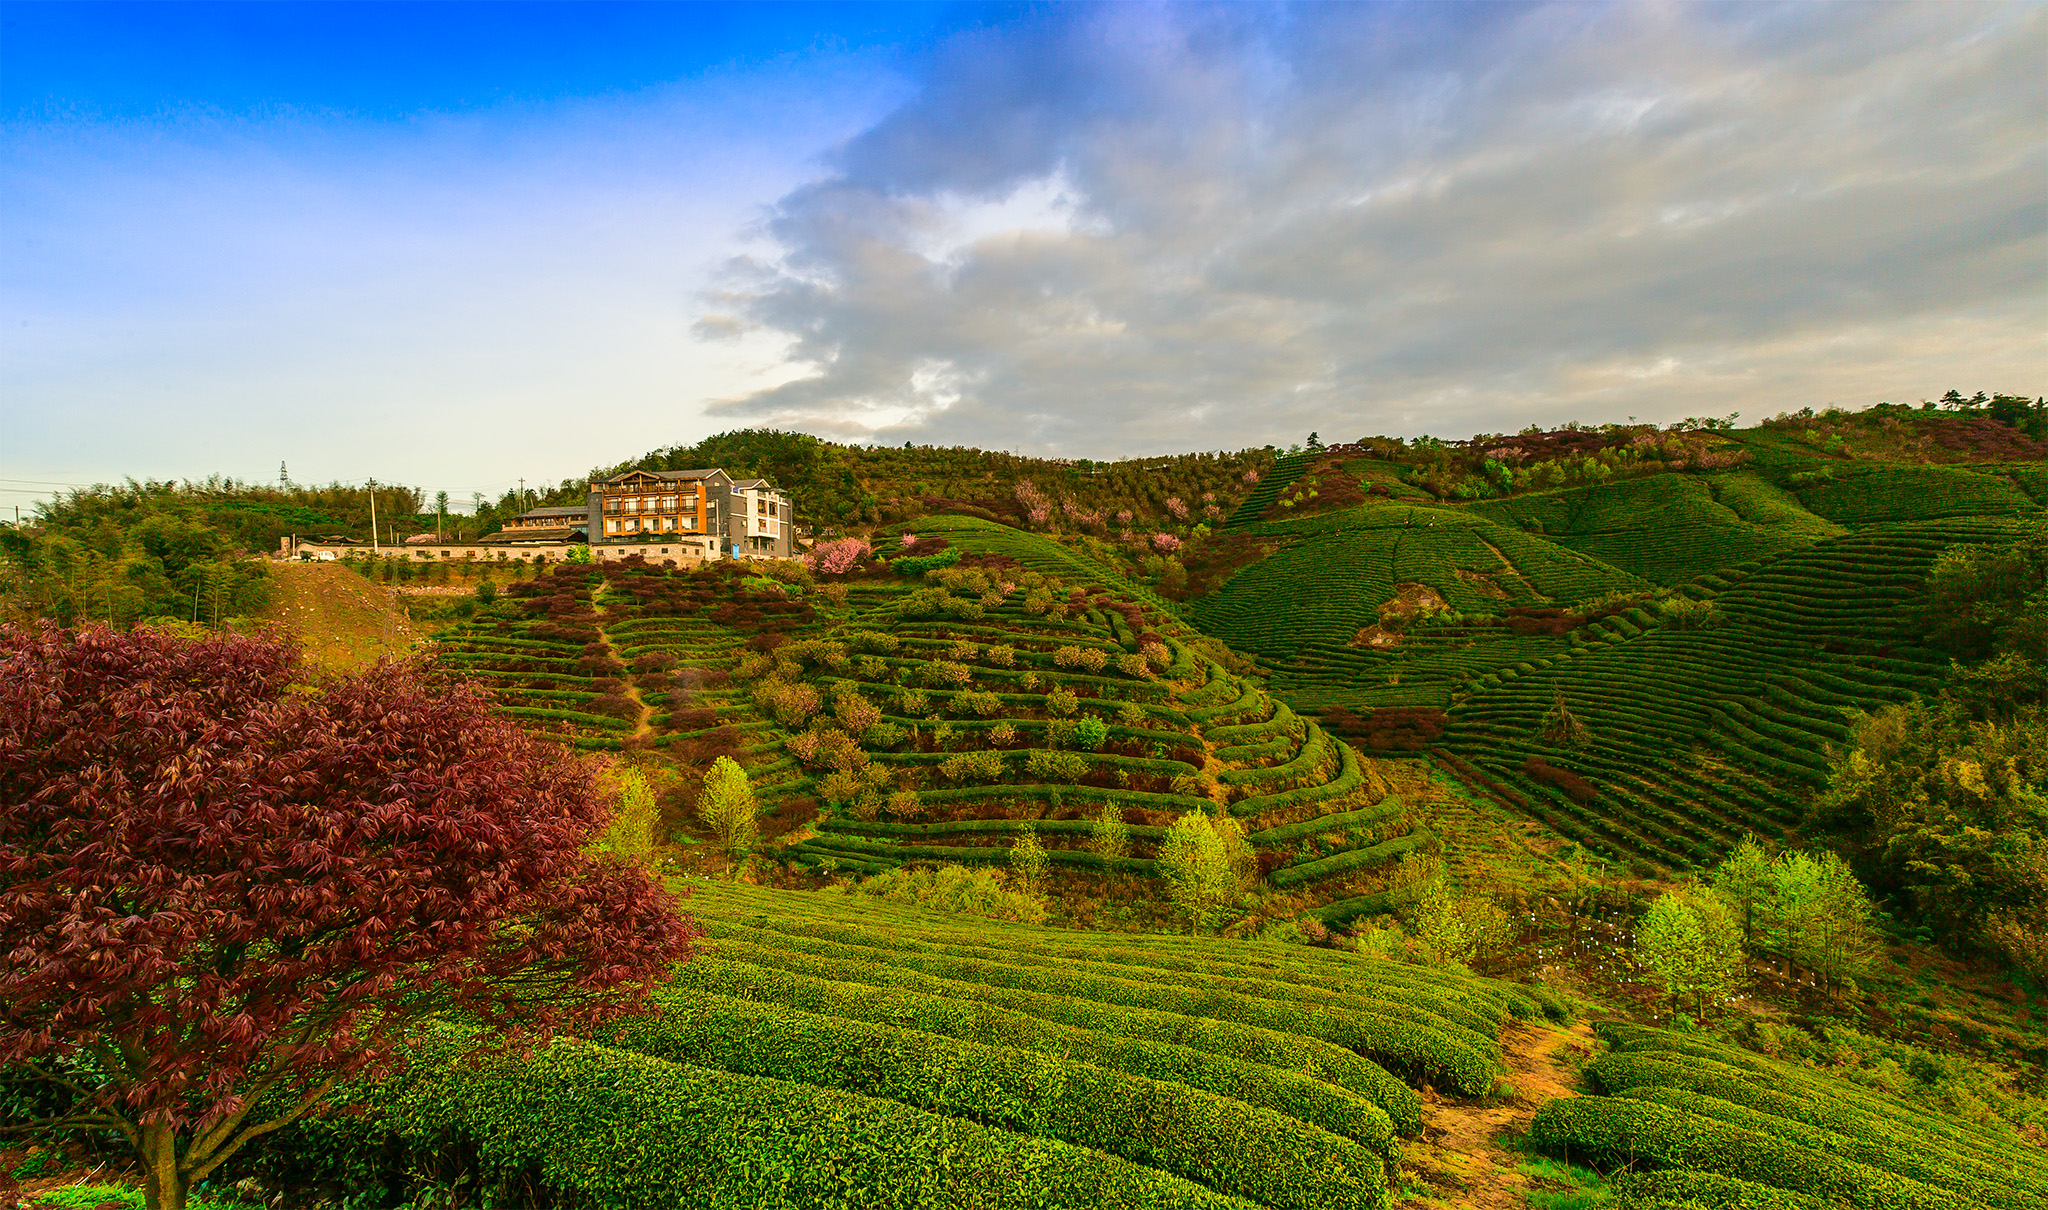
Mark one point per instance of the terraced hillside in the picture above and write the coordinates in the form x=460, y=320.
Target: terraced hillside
x=831, y=1050
x=1698, y=727
x=939, y=717
x=544, y=656
x=946, y=715
x=1395, y=605
x=1667, y=529
x=1714, y=1125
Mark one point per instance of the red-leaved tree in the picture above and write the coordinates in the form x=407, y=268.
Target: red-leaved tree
x=223, y=889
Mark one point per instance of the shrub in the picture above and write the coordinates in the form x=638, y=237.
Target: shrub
x=855, y=713
x=1134, y=666
x=653, y=661
x=615, y=705
x=1131, y=714
x=944, y=673
x=1002, y=733
x=1028, y=861
x=973, y=766
x=914, y=702
x=1685, y=613
x=1001, y=656
x=790, y=702
x=1061, y=702
x=1088, y=658
x=1577, y=788
x=1047, y=764
x=964, y=650
x=978, y=702
x=1156, y=654
x=1090, y=732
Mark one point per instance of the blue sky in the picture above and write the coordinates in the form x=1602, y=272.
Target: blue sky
x=452, y=245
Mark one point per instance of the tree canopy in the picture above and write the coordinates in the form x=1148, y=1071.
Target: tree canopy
x=222, y=889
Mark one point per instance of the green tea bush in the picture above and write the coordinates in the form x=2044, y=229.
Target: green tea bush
x=603, y=1126
x=956, y=889
x=1225, y=1145
x=1306, y=1098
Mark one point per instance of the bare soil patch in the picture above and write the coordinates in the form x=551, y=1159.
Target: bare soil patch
x=1461, y=1156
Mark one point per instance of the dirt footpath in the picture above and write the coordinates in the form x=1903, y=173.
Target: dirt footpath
x=1459, y=1154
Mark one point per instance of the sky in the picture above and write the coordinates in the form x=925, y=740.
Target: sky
x=456, y=245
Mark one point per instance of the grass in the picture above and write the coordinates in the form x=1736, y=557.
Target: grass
x=1555, y=1185
x=345, y=622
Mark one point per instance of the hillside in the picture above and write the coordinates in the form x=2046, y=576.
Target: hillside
x=1653, y=662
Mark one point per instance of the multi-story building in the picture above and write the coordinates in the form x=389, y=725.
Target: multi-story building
x=705, y=513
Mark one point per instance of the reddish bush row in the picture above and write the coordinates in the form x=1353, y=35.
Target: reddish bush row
x=1395, y=728
x=1577, y=788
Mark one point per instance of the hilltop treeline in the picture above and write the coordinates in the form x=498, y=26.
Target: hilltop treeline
x=843, y=485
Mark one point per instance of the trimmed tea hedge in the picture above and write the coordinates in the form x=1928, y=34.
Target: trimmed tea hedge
x=1226, y=1145
x=601, y=1126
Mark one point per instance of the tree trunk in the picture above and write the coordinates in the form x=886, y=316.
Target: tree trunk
x=163, y=1184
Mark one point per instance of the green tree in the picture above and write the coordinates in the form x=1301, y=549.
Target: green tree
x=1951, y=812
x=1743, y=879
x=1691, y=944
x=1194, y=861
x=634, y=816
x=726, y=805
x=1820, y=918
x=1453, y=928
x=1983, y=599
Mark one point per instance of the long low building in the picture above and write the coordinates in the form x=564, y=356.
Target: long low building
x=680, y=550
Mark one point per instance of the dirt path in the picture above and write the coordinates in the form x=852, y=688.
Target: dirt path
x=345, y=621
x=643, y=726
x=1460, y=1155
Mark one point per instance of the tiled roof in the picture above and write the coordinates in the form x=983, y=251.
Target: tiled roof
x=506, y=537
x=673, y=476
x=553, y=510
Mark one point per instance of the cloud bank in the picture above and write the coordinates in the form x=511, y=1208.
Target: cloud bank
x=1129, y=229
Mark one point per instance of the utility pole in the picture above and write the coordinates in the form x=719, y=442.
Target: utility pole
x=522, y=495
x=374, y=548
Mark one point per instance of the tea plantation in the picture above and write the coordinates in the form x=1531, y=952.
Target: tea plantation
x=831, y=1050
x=1717, y=1125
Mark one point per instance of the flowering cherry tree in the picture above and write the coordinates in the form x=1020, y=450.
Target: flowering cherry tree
x=221, y=888
x=1165, y=543
x=838, y=556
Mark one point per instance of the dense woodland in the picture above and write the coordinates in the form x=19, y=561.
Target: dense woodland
x=1613, y=815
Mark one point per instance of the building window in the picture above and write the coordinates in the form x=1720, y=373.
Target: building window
x=611, y=504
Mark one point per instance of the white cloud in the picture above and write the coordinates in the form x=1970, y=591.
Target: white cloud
x=1173, y=228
